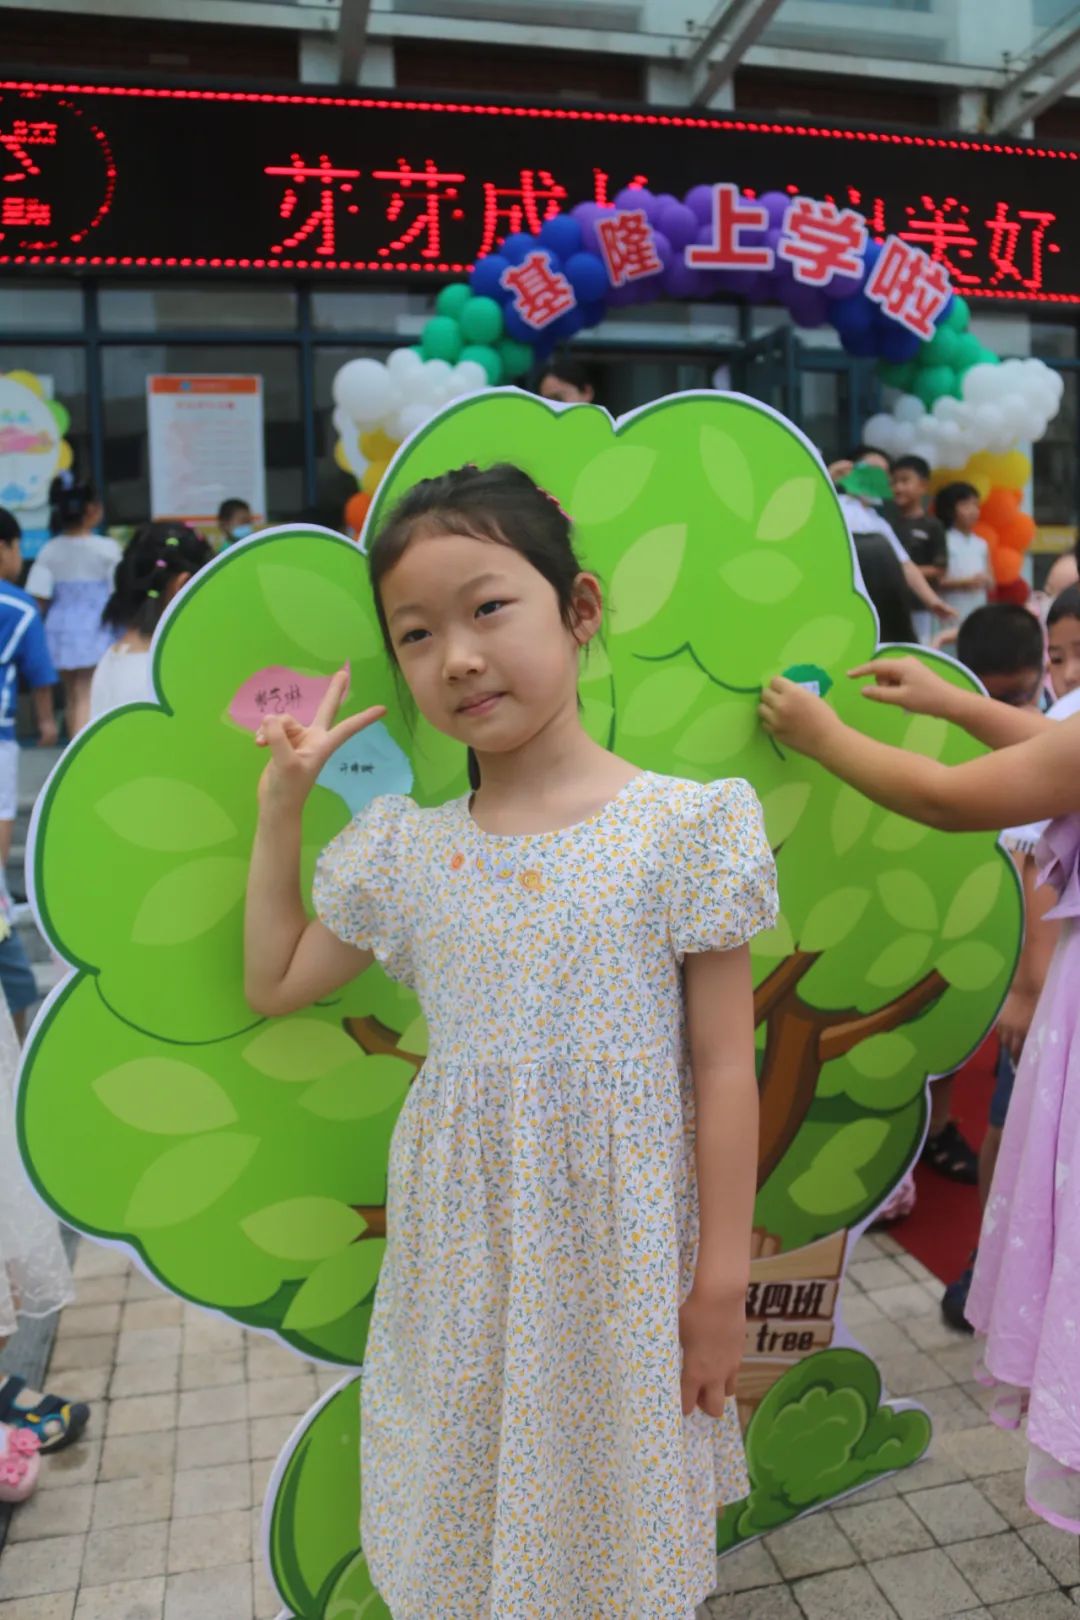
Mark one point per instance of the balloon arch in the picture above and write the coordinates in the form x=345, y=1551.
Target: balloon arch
x=953, y=401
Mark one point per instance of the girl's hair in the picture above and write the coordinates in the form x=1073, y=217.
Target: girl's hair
x=1066, y=605
x=568, y=369
x=500, y=504
x=69, y=502
x=156, y=554
x=949, y=498
x=885, y=586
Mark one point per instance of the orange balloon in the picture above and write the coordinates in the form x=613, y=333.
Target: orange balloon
x=1018, y=592
x=356, y=510
x=1007, y=564
x=1000, y=507
x=1019, y=534
x=988, y=533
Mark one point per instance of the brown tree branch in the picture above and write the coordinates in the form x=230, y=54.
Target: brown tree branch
x=838, y=1039
x=780, y=983
x=377, y=1040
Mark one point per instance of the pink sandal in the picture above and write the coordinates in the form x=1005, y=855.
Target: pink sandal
x=20, y=1464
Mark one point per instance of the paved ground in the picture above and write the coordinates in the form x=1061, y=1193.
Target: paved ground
x=155, y=1516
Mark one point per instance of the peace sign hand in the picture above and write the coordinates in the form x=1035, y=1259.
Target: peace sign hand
x=298, y=753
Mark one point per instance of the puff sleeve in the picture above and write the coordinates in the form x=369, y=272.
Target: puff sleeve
x=359, y=890
x=721, y=879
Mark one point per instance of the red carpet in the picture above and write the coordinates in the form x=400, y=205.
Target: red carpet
x=943, y=1228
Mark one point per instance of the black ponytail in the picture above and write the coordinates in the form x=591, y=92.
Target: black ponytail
x=69, y=502
x=501, y=504
x=156, y=554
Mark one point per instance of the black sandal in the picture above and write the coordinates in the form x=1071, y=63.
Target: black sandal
x=54, y=1422
x=952, y=1155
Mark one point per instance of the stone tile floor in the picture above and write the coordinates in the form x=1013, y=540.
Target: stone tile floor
x=156, y=1514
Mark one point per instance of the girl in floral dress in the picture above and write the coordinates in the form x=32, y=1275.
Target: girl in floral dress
x=548, y=1423
x=1025, y=1293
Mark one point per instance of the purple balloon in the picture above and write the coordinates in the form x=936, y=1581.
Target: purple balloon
x=843, y=286
x=620, y=297
x=587, y=214
x=808, y=305
x=678, y=223
x=699, y=199
x=682, y=282
x=665, y=252
x=638, y=197
x=777, y=203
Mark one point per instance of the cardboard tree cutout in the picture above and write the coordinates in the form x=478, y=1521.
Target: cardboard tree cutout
x=243, y=1161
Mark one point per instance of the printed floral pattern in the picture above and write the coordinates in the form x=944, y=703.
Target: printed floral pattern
x=524, y=1451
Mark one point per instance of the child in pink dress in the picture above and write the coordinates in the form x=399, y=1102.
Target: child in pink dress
x=1025, y=1296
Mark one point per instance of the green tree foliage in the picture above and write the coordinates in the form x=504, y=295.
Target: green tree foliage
x=820, y=1431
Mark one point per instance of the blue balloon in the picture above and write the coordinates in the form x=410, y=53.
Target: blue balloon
x=566, y=325
x=562, y=235
x=860, y=342
x=519, y=329
x=896, y=343
x=593, y=314
x=519, y=246
x=588, y=277
x=486, y=277
x=853, y=315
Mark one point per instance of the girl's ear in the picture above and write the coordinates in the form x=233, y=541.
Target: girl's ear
x=588, y=608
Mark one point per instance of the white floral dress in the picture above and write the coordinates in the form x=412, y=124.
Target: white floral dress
x=525, y=1456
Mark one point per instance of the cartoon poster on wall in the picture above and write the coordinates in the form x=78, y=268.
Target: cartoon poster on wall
x=33, y=450
x=243, y=1160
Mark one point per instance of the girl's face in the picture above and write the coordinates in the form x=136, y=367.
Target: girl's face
x=1063, y=640
x=480, y=641
x=967, y=513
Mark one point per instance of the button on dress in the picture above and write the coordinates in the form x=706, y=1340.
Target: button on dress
x=524, y=1452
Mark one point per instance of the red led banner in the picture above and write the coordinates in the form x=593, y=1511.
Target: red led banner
x=150, y=178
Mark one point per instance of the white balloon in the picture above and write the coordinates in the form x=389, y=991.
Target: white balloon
x=365, y=389
x=471, y=375
x=413, y=416
x=438, y=371
x=909, y=408
x=403, y=362
x=924, y=450
x=878, y=429
x=981, y=384
x=343, y=422
x=947, y=409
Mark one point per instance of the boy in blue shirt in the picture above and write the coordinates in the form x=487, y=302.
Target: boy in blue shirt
x=23, y=653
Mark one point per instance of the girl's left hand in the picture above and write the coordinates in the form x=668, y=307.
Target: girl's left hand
x=712, y=1331
x=795, y=716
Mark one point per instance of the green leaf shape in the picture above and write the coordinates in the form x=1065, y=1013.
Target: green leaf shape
x=609, y=484
x=881, y=1056
x=909, y=900
x=187, y=1179
x=300, y=1049
x=776, y=941
x=719, y=733
x=833, y=918
x=783, y=809
x=756, y=582
x=337, y=1284
x=897, y=834
x=787, y=509
x=304, y=1228
x=832, y=1182
x=926, y=735
x=313, y=614
x=190, y=900
x=354, y=1596
x=730, y=476
x=380, y=1083
x=164, y=813
x=823, y=641
x=973, y=965
x=645, y=576
x=414, y=1037
x=164, y=1097
x=661, y=699
x=974, y=900
x=899, y=961
x=850, y=815
x=315, y=1516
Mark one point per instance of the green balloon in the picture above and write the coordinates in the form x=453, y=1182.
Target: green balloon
x=452, y=300
x=959, y=316
x=441, y=339
x=517, y=358
x=968, y=352
x=485, y=356
x=934, y=381
x=941, y=349
x=898, y=373
x=481, y=321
